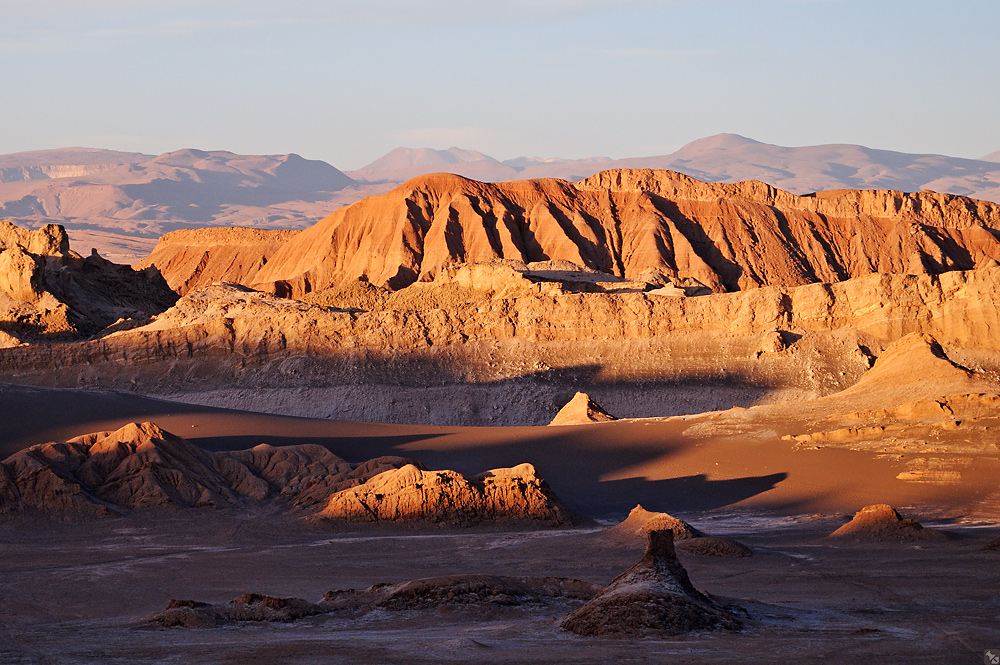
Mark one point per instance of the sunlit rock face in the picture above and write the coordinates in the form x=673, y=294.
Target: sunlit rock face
x=47, y=290
x=726, y=237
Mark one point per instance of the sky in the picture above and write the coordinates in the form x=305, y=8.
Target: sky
x=346, y=81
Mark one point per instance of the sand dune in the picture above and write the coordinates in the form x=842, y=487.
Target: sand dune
x=722, y=460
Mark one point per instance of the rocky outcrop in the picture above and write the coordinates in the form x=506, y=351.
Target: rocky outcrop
x=581, y=410
x=882, y=522
x=411, y=493
x=623, y=222
x=641, y=521
x=653, y=597
x=193, y=258
x=717, y=546
x=141, y=466
x=484, y=595
x=47, y=289
x=247, y=607
x=830, y=335
x=489, y=593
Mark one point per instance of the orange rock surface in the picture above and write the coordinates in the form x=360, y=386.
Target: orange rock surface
x=727, y=237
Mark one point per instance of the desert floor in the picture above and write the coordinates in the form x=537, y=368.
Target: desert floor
x=76, y=592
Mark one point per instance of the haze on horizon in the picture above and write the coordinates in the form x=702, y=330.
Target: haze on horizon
x=346, y=81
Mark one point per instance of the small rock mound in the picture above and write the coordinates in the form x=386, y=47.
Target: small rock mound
x=581, y=410
x=189, y=614
x=259, y=607
x=653, y=597
x=486, y=592
x=357, y=294
x=641, y=521
x=992, y=546
x=725, y=548
x=882, y=522
x=248, y=607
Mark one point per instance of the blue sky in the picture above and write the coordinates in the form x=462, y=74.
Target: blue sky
x=348, y=80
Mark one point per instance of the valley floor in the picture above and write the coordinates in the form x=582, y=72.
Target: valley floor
x=77, y=593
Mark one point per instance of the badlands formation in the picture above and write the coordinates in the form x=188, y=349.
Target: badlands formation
x=120, y=202
x=774, y=363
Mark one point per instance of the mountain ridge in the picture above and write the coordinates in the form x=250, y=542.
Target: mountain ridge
x=622, y=222
x=732, y=158
x=120, y=202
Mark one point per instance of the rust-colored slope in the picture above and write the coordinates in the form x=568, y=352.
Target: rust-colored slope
x=190, y=259
x=729, y=237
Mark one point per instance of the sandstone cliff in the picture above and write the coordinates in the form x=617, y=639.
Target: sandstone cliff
x=727, y=237
x=193, y=258
x=569, y=318
x=236, y=325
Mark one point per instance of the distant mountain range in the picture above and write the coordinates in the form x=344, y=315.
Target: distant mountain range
x=402, y=164
x=120, y=202
x=724, y=158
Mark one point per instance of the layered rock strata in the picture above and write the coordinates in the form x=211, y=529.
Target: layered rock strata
x=193, y=258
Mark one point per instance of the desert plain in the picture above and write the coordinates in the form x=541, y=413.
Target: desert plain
x=638, y=417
